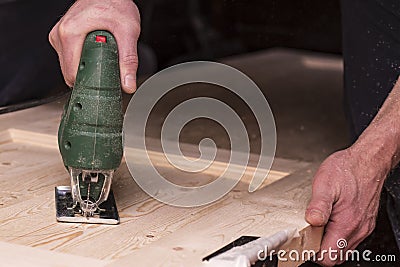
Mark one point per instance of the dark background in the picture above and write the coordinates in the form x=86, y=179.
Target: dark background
x=182, y=30
x=173, y=31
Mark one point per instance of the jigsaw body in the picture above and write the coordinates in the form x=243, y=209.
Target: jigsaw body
x=90, y=134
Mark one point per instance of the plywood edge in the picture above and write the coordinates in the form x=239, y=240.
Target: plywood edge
x=5, y=137
x=284, y=166
x=17, y=255
x=33, y=138
x=217, y=167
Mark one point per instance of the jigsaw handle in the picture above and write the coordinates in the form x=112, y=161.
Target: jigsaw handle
x=90, y=132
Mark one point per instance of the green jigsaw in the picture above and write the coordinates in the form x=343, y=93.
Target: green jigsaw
x=90, y=135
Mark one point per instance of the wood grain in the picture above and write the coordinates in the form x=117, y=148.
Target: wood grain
x=262, y=213
x=150, y=232
x=24, y=256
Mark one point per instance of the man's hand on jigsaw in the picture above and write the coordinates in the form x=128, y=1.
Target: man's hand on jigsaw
x=121, y=18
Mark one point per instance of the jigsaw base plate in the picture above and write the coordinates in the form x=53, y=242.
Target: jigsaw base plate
x=106, y=214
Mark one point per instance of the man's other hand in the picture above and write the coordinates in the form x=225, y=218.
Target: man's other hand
x=345, y=199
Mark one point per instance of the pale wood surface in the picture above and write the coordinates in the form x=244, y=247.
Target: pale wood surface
x=24, y=256
x=150, y=232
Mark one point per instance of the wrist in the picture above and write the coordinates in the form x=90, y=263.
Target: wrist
x=378, y=146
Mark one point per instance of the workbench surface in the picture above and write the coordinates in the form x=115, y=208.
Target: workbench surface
x=150, y=233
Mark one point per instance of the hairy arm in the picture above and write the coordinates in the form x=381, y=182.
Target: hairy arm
x=347, y=186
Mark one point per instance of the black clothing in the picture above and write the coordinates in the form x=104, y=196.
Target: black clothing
x=29, y=65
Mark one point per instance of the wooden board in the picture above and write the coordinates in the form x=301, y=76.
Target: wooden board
x=150, y=232
x=24, y=256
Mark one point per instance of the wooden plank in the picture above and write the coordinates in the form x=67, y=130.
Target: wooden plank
x=35, y=213
x=41, y=119
x=23, y=256
x=30, y=167
x=41, y=142
x=27, y=170
x=262, y=213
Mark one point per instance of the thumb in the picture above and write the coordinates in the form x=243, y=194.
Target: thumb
x=128, y=65
x=320, y=207
x=316, y=217
x=128, y=60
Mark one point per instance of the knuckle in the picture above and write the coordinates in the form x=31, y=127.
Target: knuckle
x=136, y=28
x=131, y=59
x=66, y=28
x=133, y=10
x=53, y=35
x=51, y=38
x=130, y=28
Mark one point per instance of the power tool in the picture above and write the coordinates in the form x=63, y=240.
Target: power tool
x=90, y=135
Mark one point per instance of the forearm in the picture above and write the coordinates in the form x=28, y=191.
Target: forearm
x=348, y=184
x=379, y=145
